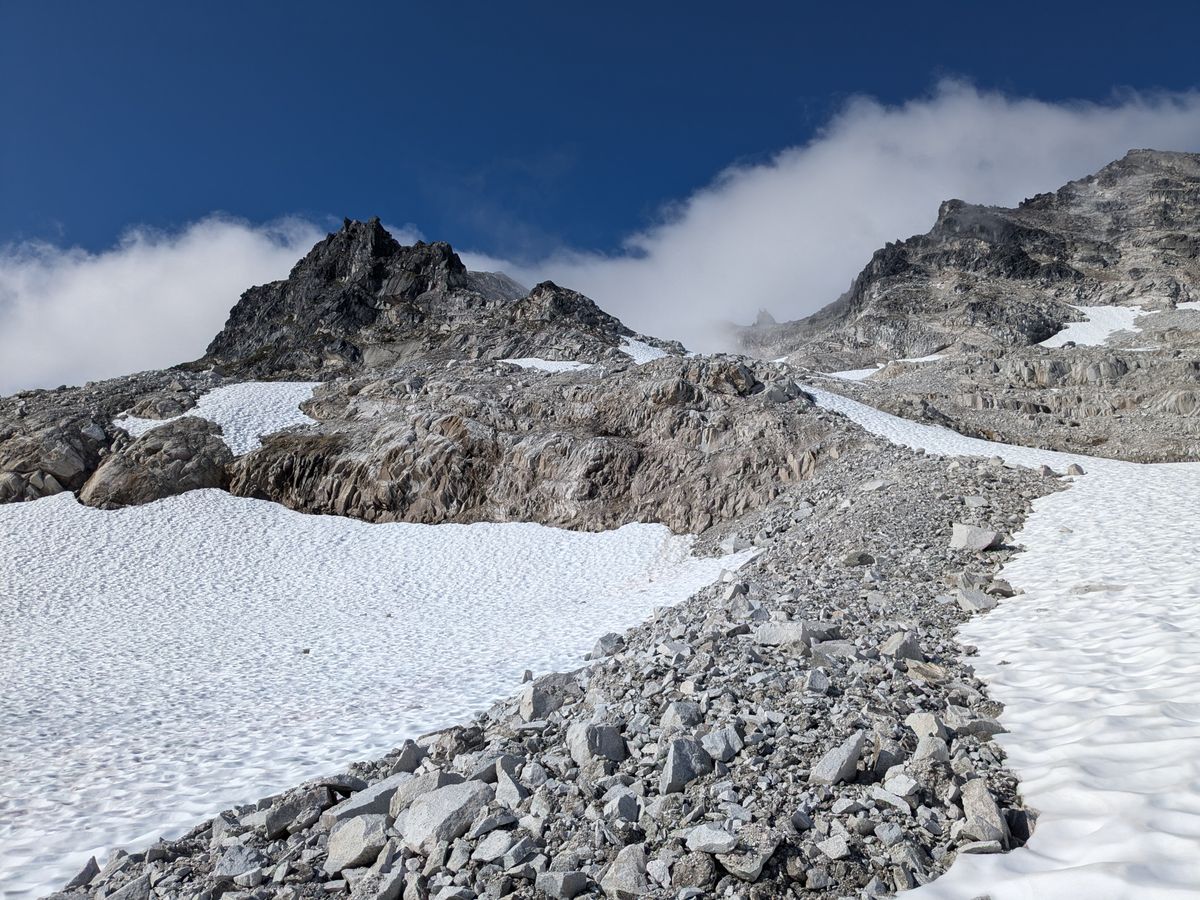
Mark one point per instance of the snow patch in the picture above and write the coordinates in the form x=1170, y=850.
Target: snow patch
x=154, y=669
x=641, y=352
x=864, y=374
x=1102, y=323
x=1097, y=664
x=856, y=374
x=246, y=412
x=548, y=365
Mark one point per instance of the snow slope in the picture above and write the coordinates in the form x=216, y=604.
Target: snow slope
x=1097, y=664
x=154, y=670
x=245, y=411
x=1102, y=323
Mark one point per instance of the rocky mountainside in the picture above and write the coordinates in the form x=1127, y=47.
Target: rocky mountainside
x=956, y=318
x=988, y=277
x=810, y=726
x=360, y=299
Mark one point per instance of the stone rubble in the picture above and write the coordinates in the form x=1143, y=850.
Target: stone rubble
x=806, y=727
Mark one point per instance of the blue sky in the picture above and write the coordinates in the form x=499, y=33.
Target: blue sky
x=514, y=129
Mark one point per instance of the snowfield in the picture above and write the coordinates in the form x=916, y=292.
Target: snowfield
x=1097, y=664
x=156, y=671
x=245, y=412
x=1102, y=323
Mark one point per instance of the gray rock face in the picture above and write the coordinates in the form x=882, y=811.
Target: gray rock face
x=180, y=456
x=588, y=741
x=374, y=799
x=997, y=278
x=711, y=839
x=443, y=815
x=594, y=449
x=562, y=885
x=237, y=861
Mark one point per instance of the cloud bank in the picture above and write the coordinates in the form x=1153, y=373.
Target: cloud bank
x=787, y=235
x=68, y=316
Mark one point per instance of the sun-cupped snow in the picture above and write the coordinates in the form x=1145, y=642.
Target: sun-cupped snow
x=641, y=352
x=548, y=365
x=1102, y=323
x=246, y=412
x=1097, y=663
x=167, y=661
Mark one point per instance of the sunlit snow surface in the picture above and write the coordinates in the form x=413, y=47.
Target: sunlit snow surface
x=1098, y=665
x=154, y=670
x=548, y=365
x=641, y=352
x=864, y=374
x=245, y=411
x=1102, y=323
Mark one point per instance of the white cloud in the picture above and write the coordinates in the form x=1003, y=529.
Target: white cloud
x=789, y=235
x=68, y=316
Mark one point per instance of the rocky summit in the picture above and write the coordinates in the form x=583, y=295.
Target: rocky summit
x=359, y=298
x=812, y=725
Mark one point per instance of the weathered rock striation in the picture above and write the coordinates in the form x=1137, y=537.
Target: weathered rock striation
x=685, y=442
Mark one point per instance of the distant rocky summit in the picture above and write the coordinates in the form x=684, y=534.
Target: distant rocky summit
x=360, y=299
x=986, y=277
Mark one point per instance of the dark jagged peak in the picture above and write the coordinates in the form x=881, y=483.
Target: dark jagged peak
x=359, y=298
x=993, y=277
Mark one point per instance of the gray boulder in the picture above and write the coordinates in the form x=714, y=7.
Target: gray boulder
x=686, y=761
x=440, y=816
x=179, y=456
x=972, y=537
x=839, y=763
x=626, y=877
x=355, y=842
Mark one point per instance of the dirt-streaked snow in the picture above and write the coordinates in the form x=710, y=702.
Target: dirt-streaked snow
x=154, y=670
x=245, y=412
x=1102, y=323
x=1097, y=664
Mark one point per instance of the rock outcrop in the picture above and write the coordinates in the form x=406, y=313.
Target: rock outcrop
x=685, y=442
x=989, y=277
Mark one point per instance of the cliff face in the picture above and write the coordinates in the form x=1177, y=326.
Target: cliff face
x=990, y=277
x=361, y=299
